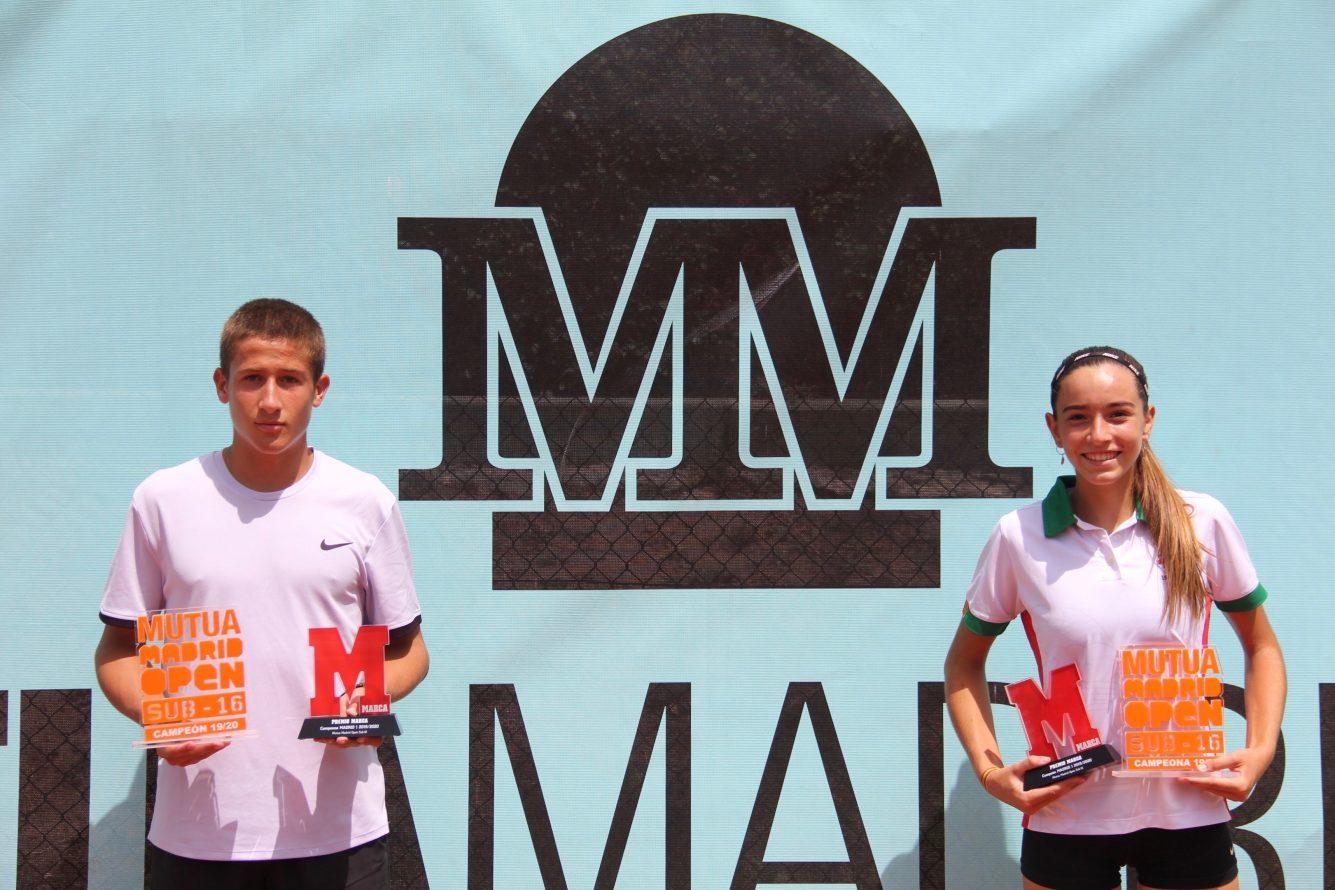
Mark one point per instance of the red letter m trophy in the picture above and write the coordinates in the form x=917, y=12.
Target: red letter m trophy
x=361, y=708
x=1061, y=717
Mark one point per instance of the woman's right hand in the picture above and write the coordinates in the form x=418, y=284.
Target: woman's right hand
x=1006, y=784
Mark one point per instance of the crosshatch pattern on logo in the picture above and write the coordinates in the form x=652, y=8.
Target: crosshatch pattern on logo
x=742, y=548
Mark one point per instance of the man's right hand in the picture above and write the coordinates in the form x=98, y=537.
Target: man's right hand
x=350, y=705
x=189, y=753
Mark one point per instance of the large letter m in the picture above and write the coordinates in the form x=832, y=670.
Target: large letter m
x=1060, y=715
x=721, y=375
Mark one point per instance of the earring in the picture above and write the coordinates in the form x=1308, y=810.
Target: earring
x=1062, y=452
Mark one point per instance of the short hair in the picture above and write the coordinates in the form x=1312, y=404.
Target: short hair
x=272, y=319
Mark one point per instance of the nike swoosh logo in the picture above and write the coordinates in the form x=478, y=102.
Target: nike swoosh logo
x=324, y=546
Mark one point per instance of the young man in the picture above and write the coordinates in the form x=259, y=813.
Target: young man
x=290, y=539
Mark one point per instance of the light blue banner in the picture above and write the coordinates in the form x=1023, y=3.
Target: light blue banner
x=164, y=163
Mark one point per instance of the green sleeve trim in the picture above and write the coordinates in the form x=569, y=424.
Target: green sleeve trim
x=981, y=627
x=1245, y=603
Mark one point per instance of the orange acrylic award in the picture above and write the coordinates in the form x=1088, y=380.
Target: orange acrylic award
x=192, y=674
x=1172, y=710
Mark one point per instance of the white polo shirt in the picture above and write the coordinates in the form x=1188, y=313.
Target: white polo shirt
x=1082, y=594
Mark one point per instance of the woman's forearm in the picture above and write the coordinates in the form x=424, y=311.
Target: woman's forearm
x=971, y=712
x=1266, y=691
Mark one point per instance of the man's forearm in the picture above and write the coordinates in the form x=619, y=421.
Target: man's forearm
x=118, y=671
x=406, y=665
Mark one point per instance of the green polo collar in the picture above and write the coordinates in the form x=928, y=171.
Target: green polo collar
x=1059, y=515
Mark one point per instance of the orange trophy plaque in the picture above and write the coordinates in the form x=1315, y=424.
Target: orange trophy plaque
x=192, y=676
x=1172, y=710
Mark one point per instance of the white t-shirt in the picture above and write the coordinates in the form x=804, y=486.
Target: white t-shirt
x=1083, y=594
x=197, y=538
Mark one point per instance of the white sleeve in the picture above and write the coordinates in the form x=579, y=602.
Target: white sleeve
x=391, y=595
x=993, y=598
x=1232, y=578
x=134, y=585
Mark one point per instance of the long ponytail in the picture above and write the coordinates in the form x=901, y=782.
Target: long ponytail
x=1175, y=538
x=1167, y=514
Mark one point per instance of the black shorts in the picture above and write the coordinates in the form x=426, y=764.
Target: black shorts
x=364, y=867
x=1174, y=859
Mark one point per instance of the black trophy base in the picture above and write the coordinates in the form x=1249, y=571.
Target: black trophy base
x=374, y=725
x=1069, y=767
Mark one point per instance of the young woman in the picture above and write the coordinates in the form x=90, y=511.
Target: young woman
x=1112, y=557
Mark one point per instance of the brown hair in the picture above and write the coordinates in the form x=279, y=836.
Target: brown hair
x=1167, y=514
x=273, y=319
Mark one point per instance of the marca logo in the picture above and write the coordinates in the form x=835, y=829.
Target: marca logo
x=717, y=326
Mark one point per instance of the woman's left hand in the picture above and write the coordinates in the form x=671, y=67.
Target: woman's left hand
x=1247, y=765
